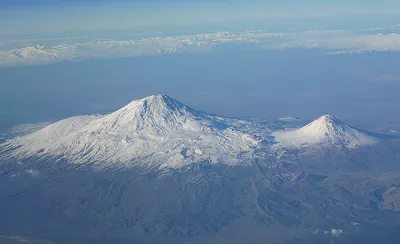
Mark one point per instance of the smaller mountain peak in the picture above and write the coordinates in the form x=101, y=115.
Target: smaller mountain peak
x=328, y=116
x=158, y=96
x=326, y=121
x=326, y=129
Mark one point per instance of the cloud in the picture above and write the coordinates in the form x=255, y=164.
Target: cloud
x=32, y=172
x=387, y=78
x=39, y=54
x=343, y=42
x=336, y=232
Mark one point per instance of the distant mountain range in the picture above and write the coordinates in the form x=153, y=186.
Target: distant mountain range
x=330, y=42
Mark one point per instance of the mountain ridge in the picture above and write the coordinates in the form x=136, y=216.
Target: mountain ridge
x=163, y=132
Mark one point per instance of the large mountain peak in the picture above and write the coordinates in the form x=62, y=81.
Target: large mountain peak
x=152, y=114
x=154, y=130
x=158, y=101
x=326, y=130
x=155, y=103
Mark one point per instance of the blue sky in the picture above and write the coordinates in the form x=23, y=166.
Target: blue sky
x=72, y=30
x=44, y=17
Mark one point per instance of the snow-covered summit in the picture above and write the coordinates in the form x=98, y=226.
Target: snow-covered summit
x=156, y=114
x=326, y=130
x=155, y=130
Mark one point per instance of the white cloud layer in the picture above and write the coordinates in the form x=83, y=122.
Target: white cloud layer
x=339, y=41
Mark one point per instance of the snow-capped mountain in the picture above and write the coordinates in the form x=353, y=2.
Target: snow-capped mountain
x=325, y=131
x=160, y=132
x=154, y=130
x=160, y=171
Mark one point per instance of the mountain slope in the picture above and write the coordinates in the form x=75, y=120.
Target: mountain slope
x=103, y=193
x=154, y=130
x=325, y=131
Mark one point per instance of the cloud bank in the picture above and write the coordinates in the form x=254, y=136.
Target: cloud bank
x=339, y=41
